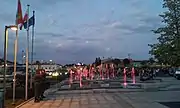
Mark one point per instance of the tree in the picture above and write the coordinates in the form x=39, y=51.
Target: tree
x=167, y=50
x=116, y=61
x=151, y=60
x=38, y=62
x=143, y=63
x=98, y=61
x=126, y=62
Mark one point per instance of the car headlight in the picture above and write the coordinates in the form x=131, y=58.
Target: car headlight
x=66, y=73
x=60, y=73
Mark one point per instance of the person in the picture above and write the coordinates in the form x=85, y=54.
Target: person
x=37, y=86
x=43, y=84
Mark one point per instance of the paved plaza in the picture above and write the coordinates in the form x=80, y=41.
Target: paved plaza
x=111, y=98
x=92, y=100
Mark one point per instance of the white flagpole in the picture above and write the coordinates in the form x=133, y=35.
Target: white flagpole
x=15, y=60
x=32, y=51
x=27, y=53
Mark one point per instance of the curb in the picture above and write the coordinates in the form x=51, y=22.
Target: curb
x=24, y=102
x=99, y=91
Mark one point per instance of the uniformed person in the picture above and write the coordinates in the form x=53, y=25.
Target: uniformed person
x=37, y=84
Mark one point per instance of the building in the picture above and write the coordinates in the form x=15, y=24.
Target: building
x=48, y=67
x=8, y=62
x=136, y=63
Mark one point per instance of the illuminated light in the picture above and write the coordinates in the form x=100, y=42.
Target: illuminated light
x=13, y=28
x=70, y=79
x=81, y=69
x=125, y=83
x=50, y=73
x=66, y=73
x=78, y=64
x=55, y=74
x=133, y=76
x=6, y=65
x=80, y=80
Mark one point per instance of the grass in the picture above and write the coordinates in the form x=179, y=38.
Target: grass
x=9, y=103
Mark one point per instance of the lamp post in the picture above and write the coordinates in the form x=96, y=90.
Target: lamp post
x=14, y=28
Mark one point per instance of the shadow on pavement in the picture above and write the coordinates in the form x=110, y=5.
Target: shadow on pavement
x=171, y=104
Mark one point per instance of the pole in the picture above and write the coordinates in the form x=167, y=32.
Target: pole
x=27, y=59
x=32, y=51
x=5, y=62
x=15, y=60
x=22, y=57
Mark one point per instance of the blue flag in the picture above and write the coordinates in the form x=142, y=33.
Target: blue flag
x=31, y=22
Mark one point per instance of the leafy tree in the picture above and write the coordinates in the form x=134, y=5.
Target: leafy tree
x=167, y=50
x=126, y=62
x=143, y=63
x=38, y=62
x=116, y=61
x=151, y=60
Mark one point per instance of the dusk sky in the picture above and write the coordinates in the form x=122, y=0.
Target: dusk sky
x=69, y=31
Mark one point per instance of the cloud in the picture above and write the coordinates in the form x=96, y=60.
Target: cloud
x=136, y=3
x=72, y=31
x=7, y=17
x=50, y=34
x=107, y=36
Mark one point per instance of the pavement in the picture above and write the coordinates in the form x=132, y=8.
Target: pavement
x=115, y=98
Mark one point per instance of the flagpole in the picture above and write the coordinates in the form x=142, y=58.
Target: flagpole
x=27, y=53
x=32, y=57
x=15, y=60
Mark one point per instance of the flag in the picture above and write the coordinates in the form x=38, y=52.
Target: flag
x=19, y=19
x=24, y=19
x=31, y=22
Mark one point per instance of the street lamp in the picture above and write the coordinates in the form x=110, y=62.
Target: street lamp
x=14, y=28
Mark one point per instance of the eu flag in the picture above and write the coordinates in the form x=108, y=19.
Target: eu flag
x=31, y=22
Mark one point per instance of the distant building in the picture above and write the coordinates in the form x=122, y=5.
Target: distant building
x=134, y=62
x=8, y=62
x=48, y=67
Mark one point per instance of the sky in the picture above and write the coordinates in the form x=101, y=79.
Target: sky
x=70, y=31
